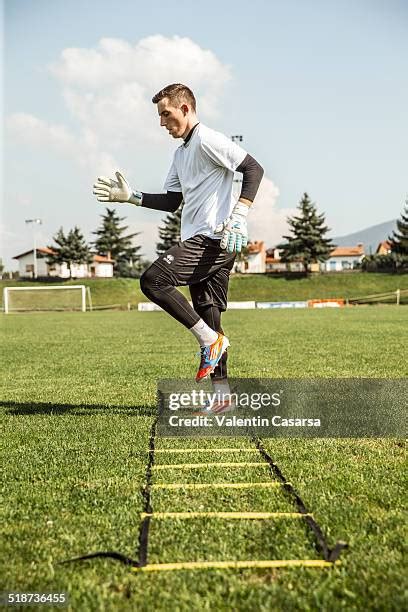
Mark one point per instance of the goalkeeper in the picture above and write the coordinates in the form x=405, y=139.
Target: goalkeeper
x=213, y=224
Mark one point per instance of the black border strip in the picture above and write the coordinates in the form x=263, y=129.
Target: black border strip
x=145, y=524
x=320, y=539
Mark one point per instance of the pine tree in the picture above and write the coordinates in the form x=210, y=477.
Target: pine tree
x=307, y=242
x=399, y=240
x=111, y=240
x=169, y=232
x=71, y=249
x=61, y=251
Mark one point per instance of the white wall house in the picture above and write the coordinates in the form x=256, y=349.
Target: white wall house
x=344, y=258
x=255, y=260
x=274, y=263
x=100, y=267
x=260, y=260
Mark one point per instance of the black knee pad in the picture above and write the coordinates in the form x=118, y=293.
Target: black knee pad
x=154, y=279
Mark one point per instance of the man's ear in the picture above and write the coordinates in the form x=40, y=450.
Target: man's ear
x=184, y=108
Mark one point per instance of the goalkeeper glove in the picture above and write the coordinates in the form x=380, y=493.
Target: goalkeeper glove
x=108, y=190
x=234, y=229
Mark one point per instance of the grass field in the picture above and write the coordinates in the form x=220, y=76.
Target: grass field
x=121, y=291
x=78, y=402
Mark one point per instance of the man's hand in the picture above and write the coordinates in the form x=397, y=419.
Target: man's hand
x=234, y=230
x=108, y=190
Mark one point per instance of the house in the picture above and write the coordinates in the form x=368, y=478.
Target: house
x=100, y=267
x=344, y=258
x=274, y=263
x=260, y=260
x=254, y=261
x=384, y=248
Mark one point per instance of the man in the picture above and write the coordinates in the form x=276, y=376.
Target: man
x=213, y=225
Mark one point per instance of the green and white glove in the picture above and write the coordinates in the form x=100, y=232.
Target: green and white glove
x=108, y=190
x=234, y=229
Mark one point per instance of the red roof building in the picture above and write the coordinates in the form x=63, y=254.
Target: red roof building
x=100, y=267
x=383, y=248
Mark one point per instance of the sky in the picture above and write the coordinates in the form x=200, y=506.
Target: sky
x=318, y=89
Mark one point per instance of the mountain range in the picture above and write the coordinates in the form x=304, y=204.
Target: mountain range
x=369, y=237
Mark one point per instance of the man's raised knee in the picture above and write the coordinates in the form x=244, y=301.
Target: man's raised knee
x=146, y=280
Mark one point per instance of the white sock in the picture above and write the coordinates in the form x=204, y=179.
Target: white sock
x=224, y=396
x=204, y=334
x=221, y=387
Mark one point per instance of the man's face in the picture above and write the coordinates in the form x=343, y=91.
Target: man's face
x=174, y=119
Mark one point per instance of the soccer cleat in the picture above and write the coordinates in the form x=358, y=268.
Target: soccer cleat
x=210, y=356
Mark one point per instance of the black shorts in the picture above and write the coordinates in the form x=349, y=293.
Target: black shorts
x=200, y=263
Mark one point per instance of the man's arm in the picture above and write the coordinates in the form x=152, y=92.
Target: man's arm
x=169, y=201
x=252, y=176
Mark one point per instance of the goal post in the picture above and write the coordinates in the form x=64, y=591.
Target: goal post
x=46, y=298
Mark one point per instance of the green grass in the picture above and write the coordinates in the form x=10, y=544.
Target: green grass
x=121, y=291
x=78, y=402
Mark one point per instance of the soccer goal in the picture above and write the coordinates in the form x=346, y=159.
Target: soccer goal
x=49, y=298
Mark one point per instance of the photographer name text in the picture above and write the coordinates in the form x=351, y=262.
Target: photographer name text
x=234, y=421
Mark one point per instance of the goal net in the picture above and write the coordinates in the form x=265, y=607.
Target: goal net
x=49, y=298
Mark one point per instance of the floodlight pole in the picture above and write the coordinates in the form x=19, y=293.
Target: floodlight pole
x=38, y=222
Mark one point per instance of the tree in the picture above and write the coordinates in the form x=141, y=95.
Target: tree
x=169, y=232
x=397, y=259
x=307, y=242
x=112, y=241
x=71, y=249
x=399, y=240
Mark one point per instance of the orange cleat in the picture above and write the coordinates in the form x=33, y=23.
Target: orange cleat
x=210, y=356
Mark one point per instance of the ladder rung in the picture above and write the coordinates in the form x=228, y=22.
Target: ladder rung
x=224, y=515
x=273, y=563
x=218, y=485
x=186, y=466
x=204, y=450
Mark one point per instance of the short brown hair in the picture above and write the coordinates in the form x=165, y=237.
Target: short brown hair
x=176, y=93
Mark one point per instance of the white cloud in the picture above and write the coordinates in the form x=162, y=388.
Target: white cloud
x=150, y=64
x=37, y=131
x=107, y=91
x=265, y=221
x=57, y=138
